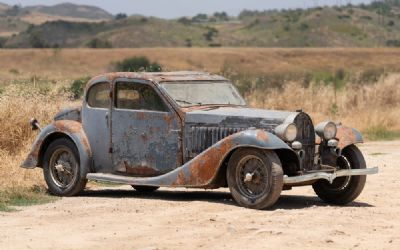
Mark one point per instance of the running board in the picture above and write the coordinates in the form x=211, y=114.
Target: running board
x=120, y=179
x=159, y=181
x=328, y=176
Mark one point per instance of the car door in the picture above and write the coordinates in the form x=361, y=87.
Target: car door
x=95, y=120
x=146, y=131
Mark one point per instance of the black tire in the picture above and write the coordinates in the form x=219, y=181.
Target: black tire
x=62, y=168
x=145, y=189
x=255, y=178
x=344, y=190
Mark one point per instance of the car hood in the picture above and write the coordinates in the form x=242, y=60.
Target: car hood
x=239, y=117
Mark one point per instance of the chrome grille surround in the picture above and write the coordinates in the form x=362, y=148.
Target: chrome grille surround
x=306, y=135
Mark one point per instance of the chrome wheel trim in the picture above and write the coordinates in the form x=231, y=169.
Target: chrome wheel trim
x=252, y=177
x=63, y=168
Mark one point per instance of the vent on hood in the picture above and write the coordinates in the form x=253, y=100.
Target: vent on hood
x=201, y=138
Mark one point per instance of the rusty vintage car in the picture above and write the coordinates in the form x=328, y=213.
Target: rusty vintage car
x=194, y=130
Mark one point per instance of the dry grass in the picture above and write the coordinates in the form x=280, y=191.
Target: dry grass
x=371, y=107
x=18, y=103
x=364, y=107
x=74, y=63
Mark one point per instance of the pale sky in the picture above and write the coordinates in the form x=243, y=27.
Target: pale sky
x=178, y=8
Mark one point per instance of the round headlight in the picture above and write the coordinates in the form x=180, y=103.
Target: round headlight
x=326, y=130
x=287, y=132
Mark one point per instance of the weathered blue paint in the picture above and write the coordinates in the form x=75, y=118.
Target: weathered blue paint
x=201, y=171
x=70, y=129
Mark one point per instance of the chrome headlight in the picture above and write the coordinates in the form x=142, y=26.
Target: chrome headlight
x=287, y=132
x=326, y=130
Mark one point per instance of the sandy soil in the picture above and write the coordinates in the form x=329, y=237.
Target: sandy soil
x=119, y=218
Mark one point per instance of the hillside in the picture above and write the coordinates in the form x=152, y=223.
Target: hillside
x=71, y=10
x=16, y=19
x=373, y=25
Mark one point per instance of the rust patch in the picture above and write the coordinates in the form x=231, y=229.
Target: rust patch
x=169, y=119
x=141, y=115
x=346, y=136
x=203, y=169
x=262, y=135
x=181, y=180
x=142, y=171
x=70, y=126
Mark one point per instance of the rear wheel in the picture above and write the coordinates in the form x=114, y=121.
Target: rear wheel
x=346, y=189
x=145, y=189
x=255, y=178
x=62, y=170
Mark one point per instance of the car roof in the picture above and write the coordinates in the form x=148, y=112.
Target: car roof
x=160, y=76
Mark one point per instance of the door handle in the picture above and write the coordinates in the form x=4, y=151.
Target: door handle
x=106, y=117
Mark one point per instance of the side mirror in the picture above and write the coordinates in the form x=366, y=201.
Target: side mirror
x=35, y=124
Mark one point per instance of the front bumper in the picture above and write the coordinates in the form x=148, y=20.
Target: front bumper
x=328, y=176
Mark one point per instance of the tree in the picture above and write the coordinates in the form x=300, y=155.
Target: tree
x=36, y=41
x=200, y=18
x=97, y=43
x=120, y=16
x=137, y=64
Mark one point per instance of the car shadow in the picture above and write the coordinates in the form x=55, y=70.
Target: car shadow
x=287, y=202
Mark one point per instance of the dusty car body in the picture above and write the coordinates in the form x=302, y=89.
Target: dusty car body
x=194, y=130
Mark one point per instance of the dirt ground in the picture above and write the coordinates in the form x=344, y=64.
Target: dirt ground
x=119, y=218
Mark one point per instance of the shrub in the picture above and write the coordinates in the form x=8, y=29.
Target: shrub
x=303, y=27
x=136, y=64
x=78, y=87
x=97, y=43
x=393, y=43
x=185, y=21
x=120, y=16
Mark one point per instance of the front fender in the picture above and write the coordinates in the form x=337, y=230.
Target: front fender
x=348, y=136
x=201, y=171
x=71, y=129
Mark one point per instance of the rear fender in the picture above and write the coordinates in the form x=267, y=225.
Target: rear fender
x=348, y=136
x=201, y=171
x=65, y=128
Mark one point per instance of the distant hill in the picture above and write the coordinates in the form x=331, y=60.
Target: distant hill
x=71, y=10
x=372, y=25
x=16, y=19
x=4, y=6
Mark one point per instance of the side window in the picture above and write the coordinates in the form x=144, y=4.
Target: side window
x=99, y=96
x=136, y=96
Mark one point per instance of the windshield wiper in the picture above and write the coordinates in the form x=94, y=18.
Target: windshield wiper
x=190, y=103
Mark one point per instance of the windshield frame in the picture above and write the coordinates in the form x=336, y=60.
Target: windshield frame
x=161, y=84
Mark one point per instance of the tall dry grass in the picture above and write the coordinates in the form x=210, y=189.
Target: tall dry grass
x=366, y=107
x=19, y=102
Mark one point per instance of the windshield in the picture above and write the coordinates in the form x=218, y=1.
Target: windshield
x=188, y=94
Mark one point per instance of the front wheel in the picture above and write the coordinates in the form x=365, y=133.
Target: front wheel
x=346, y=189
x=255, y=178
x=62, y=169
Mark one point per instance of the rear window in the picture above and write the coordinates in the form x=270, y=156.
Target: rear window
x=99, y=96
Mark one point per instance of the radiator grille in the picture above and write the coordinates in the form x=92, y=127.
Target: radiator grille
x=306, y=135
x=202, y=138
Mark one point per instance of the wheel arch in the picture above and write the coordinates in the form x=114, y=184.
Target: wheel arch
x=71, y=130
x=46, y=143
x=288, y=158
x=348, y=136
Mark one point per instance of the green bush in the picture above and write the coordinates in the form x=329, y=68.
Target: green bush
x=78, y=87
x=137, y=64
x=97, y=43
